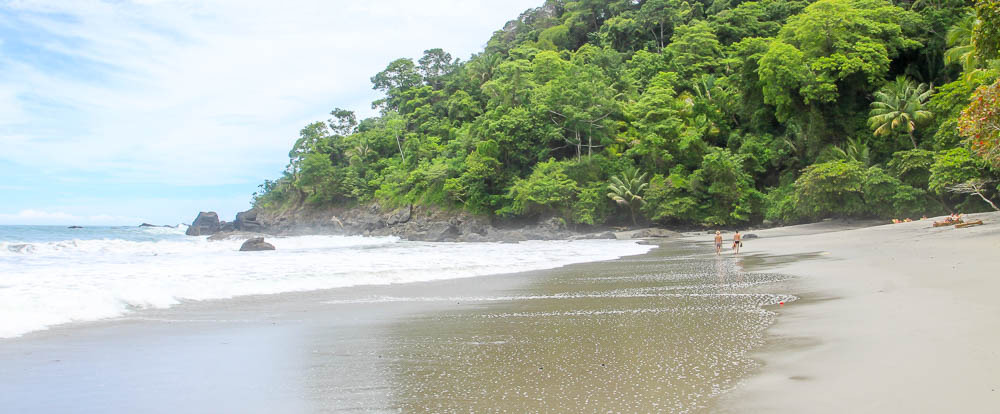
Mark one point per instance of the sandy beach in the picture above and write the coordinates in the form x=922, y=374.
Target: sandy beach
x=898, y=318
x=893, y=318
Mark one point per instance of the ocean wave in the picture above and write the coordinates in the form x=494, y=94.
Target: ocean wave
x=57, y=282
x=179, y=229
x=184, y=245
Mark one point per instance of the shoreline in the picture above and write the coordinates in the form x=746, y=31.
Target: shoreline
x=891, y=318
x=330, y=351
x=860, y=337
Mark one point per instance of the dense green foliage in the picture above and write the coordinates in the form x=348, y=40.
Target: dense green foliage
x=679, y=112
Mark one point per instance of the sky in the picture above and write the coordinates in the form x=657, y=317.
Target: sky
x=117, y=112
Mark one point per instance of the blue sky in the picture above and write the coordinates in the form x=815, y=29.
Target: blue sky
x=119, y=112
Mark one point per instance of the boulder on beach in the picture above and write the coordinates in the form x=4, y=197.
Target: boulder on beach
x=750, y=236
x=207, y=223
x=256, y=244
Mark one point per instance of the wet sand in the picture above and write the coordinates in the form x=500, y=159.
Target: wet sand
x=668, y=331
x=900, y=318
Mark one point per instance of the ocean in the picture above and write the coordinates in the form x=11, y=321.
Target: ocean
x=52, y=275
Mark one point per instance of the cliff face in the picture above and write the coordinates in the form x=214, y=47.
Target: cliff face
x=408, y=222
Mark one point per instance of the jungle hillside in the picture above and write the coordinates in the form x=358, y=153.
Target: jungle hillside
x=674, y=112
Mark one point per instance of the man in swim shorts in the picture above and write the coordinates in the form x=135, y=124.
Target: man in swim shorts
x=718, y=242
x=737, y=242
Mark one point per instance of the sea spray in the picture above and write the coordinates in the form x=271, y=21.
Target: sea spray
x=112, y=271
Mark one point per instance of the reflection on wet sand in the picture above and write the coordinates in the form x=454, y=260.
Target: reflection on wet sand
x=661, y=332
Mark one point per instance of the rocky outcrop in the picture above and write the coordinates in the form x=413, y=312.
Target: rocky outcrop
x=400, y=216
x=247, y=221
x=207, y=223
x=653, y=233
x=410, y=222
x=606, y=235
x=256, y=244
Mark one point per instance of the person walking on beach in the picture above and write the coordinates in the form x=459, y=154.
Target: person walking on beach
x=737, y=242
x=718, y=242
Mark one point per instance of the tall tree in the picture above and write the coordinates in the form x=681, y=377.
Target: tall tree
x=398, y=77
x=834, y=49
x=343, y=123
x=434, y=65
x=578, y=99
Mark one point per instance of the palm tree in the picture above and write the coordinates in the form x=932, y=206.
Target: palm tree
x=900, y=105
x=854, y=150
x=960, y=48
x=626, y=190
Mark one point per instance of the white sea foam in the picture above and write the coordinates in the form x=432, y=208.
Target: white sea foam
x=48, y=283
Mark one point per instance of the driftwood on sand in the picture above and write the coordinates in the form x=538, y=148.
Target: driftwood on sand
x=969, y=224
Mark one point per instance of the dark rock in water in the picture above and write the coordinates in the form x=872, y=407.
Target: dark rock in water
x=442, y=232
x=148, y=225
x=256, y=244
x=75, y=227
x=207, y=223
x=247, y=221
x=750, y=236
x=474, y=226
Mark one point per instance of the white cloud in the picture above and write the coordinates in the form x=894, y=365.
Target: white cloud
x=204, y=92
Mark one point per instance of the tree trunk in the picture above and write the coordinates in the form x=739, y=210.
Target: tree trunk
x=913, y=140
x=579, y=146
x=400, y=145
x=980, y=194
x=631, y=209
